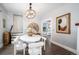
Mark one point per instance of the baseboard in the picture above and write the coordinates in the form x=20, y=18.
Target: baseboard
x=65, y=47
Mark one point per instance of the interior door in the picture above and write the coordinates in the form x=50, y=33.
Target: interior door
x=17, y=24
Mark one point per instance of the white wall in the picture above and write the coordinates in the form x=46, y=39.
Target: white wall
x=1, y=25
x=78, y=40
x=9, y=21
x=8, y=17
x=69, y=40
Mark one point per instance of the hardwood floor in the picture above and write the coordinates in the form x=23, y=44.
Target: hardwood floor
x=51, y=49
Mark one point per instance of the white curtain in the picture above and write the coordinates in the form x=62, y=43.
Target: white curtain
x=17, y=23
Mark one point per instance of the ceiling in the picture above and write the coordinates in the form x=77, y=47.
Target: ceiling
x=40, y=8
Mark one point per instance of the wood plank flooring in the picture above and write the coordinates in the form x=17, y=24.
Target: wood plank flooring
x=51, y=49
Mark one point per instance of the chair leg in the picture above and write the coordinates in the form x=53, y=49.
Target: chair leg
x=44, y=45
x=24, y=51
x=40, y=50
x=14, y=51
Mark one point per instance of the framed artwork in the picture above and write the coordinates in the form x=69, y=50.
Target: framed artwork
x=63, y=24
x=4, y=23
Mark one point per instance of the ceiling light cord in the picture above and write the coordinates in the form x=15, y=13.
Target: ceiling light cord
x=30, y=6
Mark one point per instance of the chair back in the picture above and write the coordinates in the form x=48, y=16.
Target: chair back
x=35, y=48
x=43, y=38
x=37, y=44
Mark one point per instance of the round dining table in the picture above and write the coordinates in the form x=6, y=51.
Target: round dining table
x=30, y=39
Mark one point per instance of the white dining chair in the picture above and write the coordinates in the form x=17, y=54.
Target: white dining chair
x=35, y=48
x=19, y=45
x=44, y=40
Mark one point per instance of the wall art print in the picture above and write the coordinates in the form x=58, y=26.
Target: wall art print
x=63, y=24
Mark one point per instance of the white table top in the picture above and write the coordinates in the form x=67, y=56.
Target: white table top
x=28, y=39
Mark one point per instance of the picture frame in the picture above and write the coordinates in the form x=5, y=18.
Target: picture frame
x=4, y=23
x=63, y=23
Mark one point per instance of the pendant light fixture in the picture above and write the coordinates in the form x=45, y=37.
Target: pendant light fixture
x=30, y=13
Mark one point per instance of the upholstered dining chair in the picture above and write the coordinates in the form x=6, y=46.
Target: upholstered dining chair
x=35, y=48
x=19, y=45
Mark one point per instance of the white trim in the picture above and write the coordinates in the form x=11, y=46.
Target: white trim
x=65, y=47
x=78, y=40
